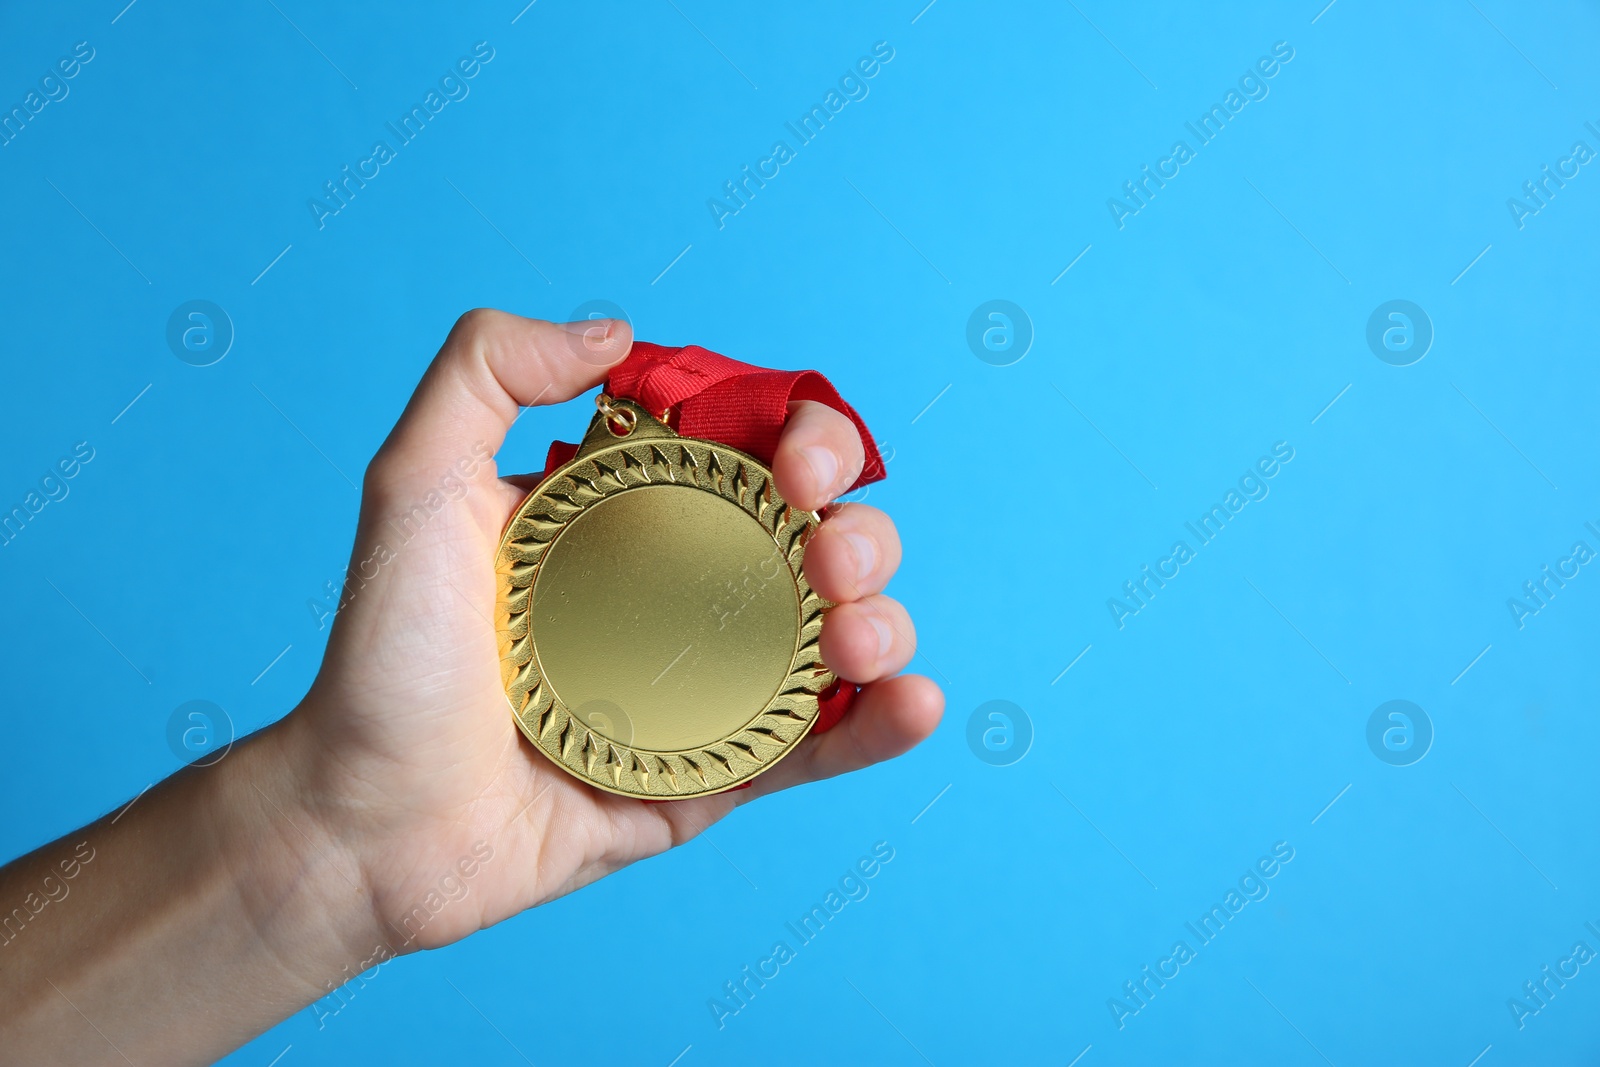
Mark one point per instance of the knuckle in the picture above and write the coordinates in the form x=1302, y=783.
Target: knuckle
x=473, y=326
x=480, y=333
x=379, y=474
x=395, y=475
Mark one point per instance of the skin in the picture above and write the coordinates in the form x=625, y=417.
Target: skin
x=229, y=897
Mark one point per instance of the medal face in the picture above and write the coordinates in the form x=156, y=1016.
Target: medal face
x=658, y=637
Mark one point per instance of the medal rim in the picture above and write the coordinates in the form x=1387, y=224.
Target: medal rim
x=741, y=479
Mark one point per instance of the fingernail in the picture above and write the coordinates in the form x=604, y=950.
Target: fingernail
x=866, y=553
x=885, y=636
x=594, y=330
x=599, y=348
x=824, y=467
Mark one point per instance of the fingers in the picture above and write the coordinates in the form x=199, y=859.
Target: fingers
x=819, y=455
x=854, y=554
x=491, y=365
x=888, y=719
x=868, y=639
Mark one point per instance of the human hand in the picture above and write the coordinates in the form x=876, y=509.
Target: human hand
x=405, y=751
x=339, y=837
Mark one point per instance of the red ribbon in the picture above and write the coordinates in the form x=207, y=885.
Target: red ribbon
x=715, y=398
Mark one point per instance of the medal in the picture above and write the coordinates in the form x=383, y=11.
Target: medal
x=658, y=637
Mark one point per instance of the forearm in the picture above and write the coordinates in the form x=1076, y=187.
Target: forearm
x=209, y=910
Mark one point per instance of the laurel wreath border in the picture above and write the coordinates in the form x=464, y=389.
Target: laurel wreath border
x=579, y=749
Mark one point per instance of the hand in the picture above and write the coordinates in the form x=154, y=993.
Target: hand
x=342, y=835
x=408, y=753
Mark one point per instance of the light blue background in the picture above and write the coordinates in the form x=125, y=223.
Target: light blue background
x=1222, y=318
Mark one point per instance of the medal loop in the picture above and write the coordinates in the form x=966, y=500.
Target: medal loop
x=620, y=421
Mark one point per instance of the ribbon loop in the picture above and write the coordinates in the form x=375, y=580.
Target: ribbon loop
x=719, y=399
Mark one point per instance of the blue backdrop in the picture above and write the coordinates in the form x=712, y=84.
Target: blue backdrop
x=1307, y=291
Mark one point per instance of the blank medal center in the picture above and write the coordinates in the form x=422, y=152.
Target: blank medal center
x=665, y=618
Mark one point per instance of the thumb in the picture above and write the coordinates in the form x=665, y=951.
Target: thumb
x=492, y=365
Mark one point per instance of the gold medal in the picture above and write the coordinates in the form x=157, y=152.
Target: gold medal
x=658, y=637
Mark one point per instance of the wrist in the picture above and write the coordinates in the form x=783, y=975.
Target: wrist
x=416, y=844
x=299, y=880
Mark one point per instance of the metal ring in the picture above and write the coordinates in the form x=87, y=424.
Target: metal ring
x=620, y=421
